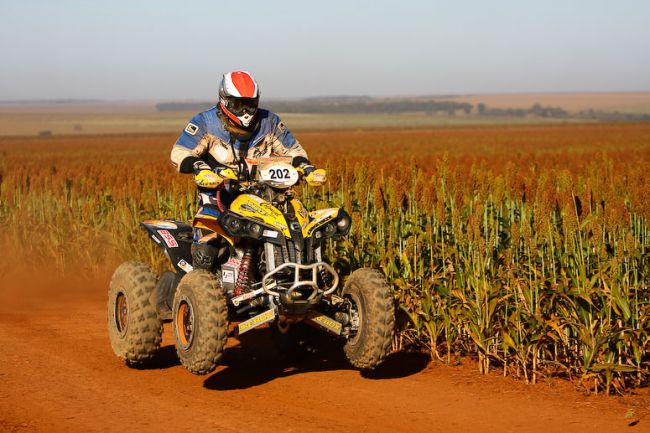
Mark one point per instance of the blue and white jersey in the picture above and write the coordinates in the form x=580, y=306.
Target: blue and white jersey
x=206, y=138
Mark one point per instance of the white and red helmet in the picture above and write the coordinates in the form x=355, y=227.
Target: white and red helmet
x=239, y=96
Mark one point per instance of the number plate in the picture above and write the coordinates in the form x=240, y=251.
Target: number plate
x=279, y=174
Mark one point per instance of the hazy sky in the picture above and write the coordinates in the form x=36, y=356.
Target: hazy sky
x=116, y=49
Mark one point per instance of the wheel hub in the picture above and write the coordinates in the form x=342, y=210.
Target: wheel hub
x=121, y=313
x=184, y=323
x=355, y=315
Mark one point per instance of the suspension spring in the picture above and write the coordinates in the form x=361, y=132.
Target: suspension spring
x=243, y=283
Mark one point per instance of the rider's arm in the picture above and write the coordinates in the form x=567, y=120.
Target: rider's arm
x=191, y=146
x=285, y=144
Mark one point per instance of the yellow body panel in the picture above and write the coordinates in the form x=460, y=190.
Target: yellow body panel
x=318, y=218
x=301, y=214
x=210, y=223
x=254, y=207
x=251, y=206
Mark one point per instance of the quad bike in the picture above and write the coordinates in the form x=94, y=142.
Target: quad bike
x=269, y=268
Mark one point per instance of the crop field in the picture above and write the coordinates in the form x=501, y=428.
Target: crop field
x=526, y=247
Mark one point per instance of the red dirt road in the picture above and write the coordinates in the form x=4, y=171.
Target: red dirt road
x=58, y=373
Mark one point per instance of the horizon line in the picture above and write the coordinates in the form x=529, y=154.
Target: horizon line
x=90, y=100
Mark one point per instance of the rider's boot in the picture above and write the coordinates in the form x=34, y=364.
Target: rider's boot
x=204, y=256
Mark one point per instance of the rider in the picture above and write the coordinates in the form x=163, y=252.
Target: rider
x=216, y=142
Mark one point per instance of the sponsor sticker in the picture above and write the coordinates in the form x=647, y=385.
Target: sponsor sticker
x=256, y=321
x=228, y=276
x=168, y=238
x=327, y=322
x=234, y=262
x=191, y=128
x=270, y=233
x=185, y=266
x=318, y=177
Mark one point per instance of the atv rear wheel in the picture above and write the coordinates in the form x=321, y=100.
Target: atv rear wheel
x=134, y=329
x=371, y=306
x=200, y=321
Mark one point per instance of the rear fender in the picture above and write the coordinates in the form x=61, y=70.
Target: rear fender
x=175, y=239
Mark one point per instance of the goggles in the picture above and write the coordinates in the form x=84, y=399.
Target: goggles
x=241, y=106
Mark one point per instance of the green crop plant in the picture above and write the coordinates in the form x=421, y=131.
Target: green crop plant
x=526, y=249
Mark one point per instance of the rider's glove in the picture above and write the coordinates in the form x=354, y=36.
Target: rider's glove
x=316, y=177
x=204, y=177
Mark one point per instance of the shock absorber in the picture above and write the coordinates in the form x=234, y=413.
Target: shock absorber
x=325, y=278
x=244, y=277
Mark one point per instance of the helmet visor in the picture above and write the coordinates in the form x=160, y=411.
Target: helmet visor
x=241, y=106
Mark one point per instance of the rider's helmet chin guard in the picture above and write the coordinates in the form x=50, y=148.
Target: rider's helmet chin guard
x=239, y=96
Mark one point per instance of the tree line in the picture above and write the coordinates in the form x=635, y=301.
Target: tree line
x=364, y=104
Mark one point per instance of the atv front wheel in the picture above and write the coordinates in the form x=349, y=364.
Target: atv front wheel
x=134, y=329
x=200, y=321
x=372, y=310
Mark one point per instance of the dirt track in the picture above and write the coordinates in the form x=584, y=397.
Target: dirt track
x=58, y=373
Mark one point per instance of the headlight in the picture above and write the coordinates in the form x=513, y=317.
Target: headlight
x=329, y=229
x=238, y=226
x=344, y=223
x=231, y=224
x=338, y=227
x=255, y=230
x=234, y=224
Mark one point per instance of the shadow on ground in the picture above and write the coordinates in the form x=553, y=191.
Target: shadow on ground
x=256, y=361
x=165, y=358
